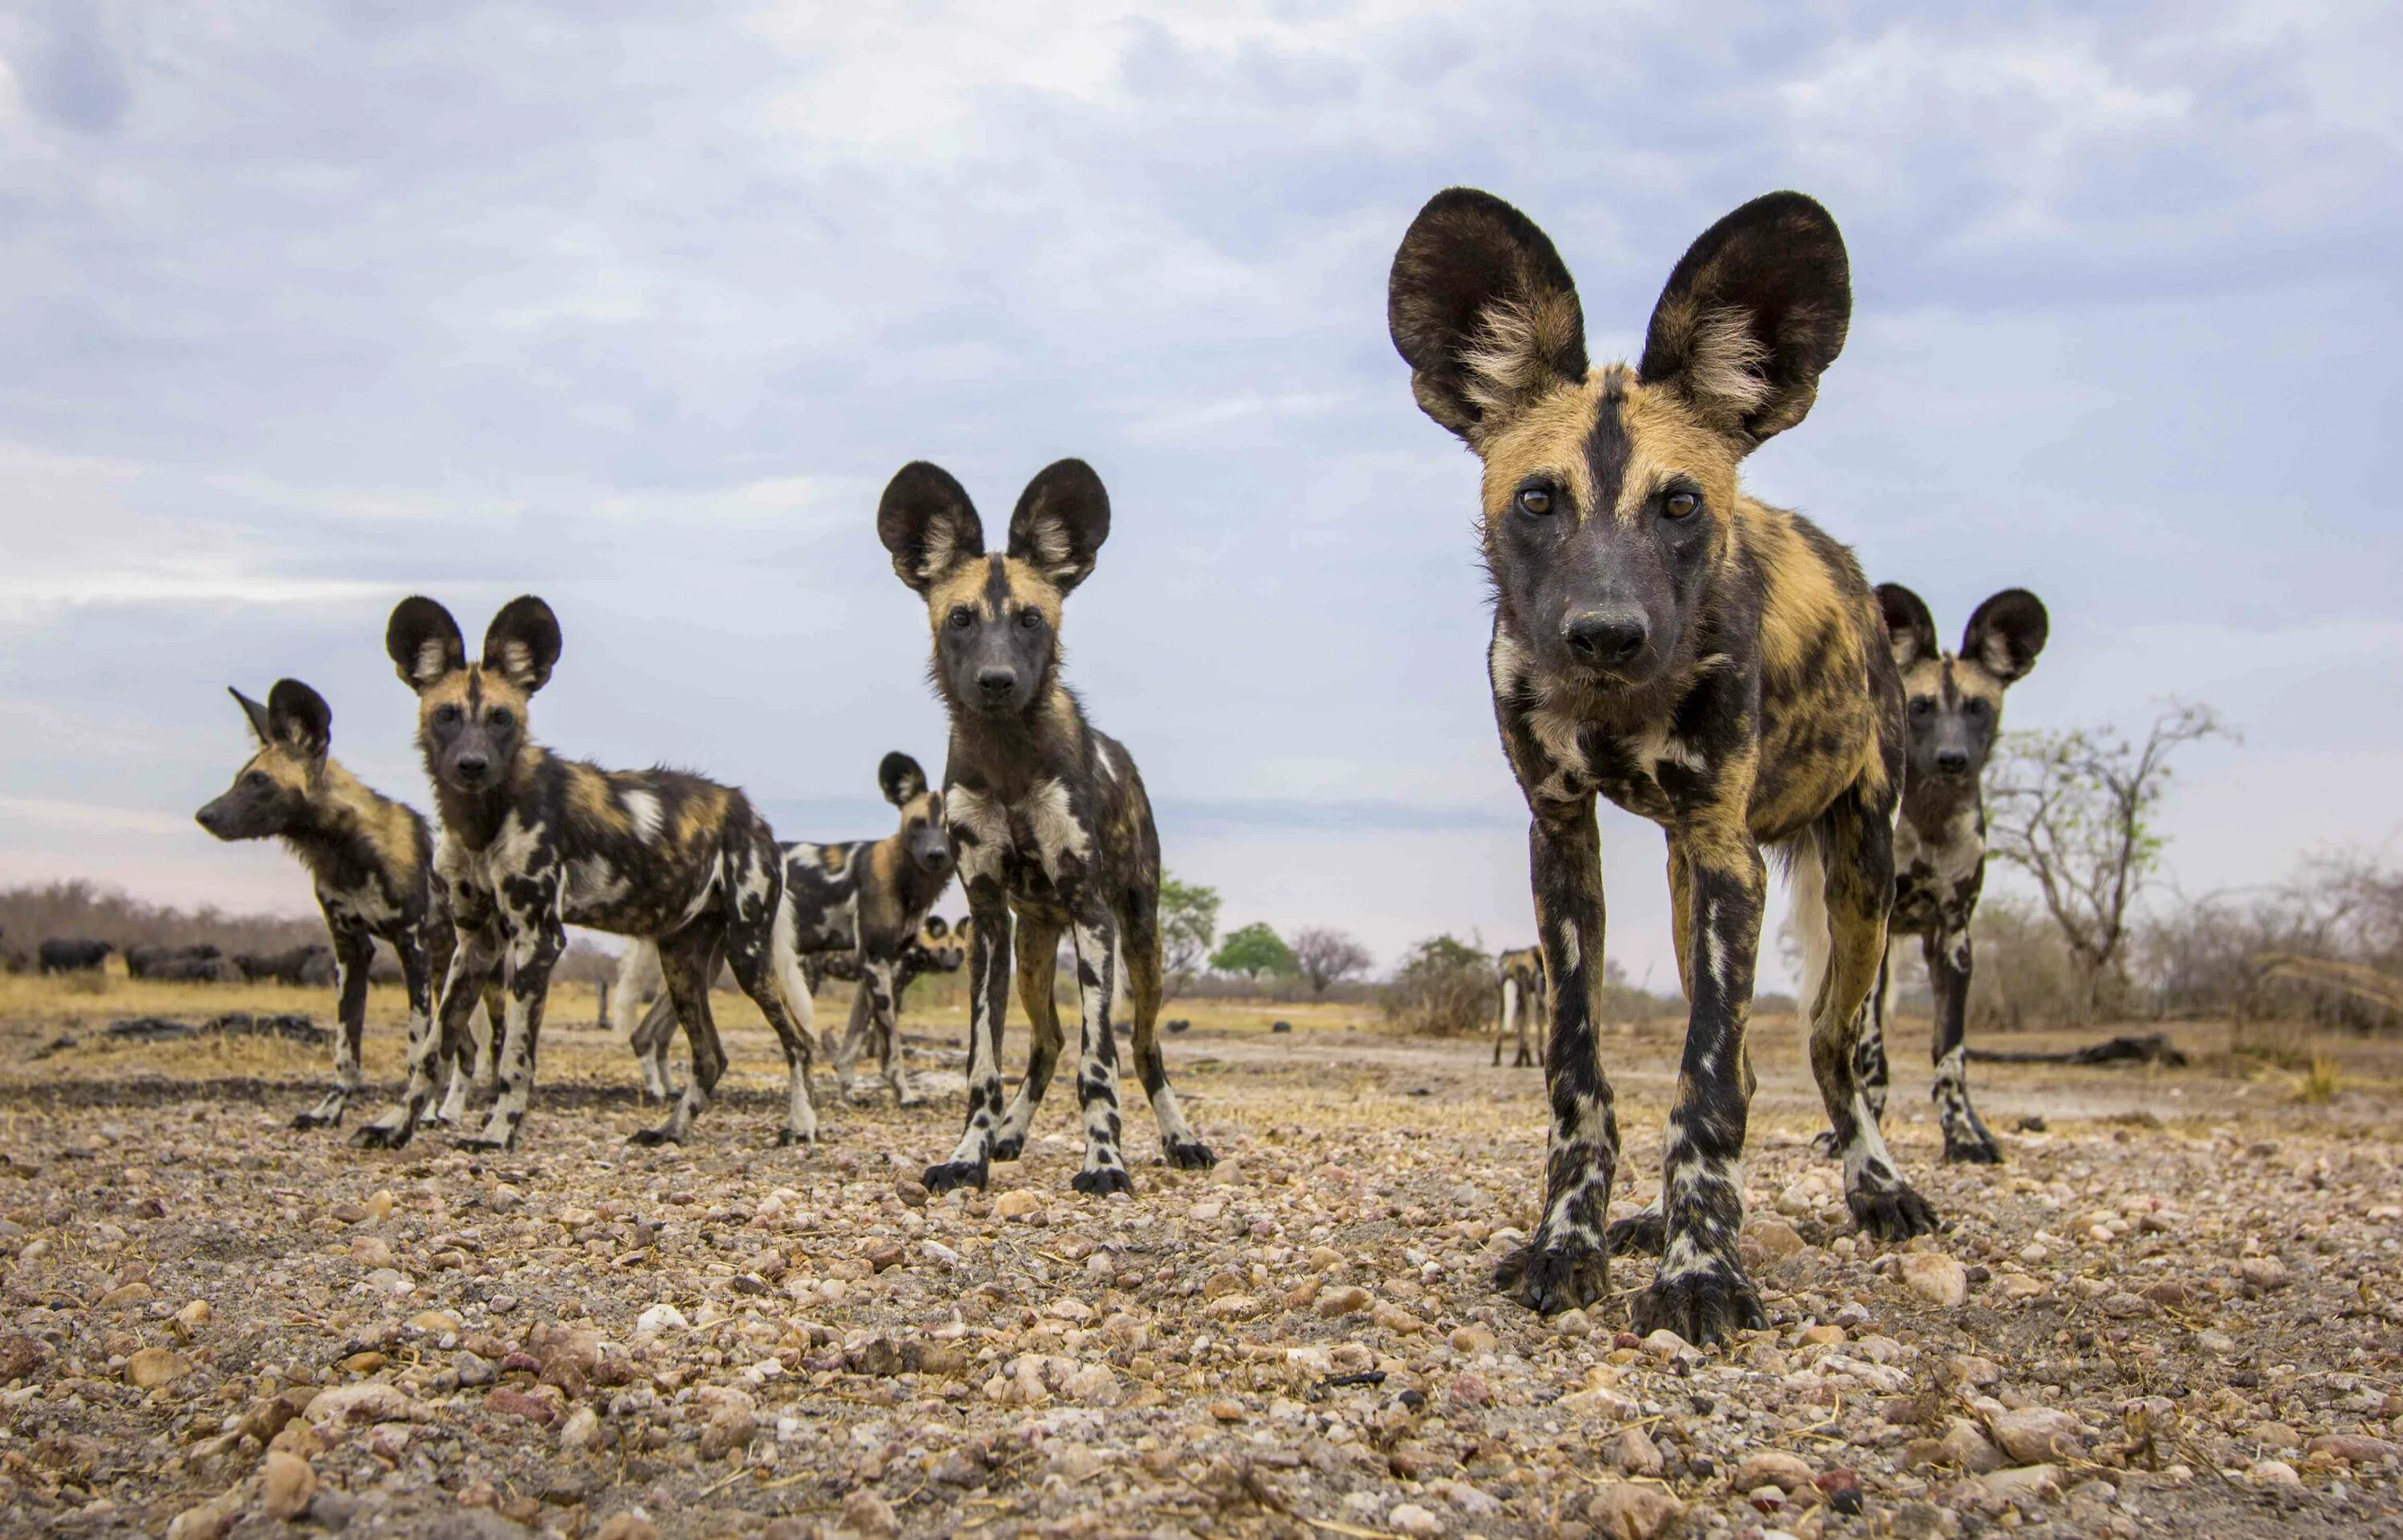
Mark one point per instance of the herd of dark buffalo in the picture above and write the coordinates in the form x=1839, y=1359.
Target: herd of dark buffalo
x=197, y=962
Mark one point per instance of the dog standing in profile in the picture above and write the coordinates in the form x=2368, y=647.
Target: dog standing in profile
x=1048, y=815
x=371, y=860
x=532, y=843
x=864, y=902
x=1523, y=1004
x=1953, y=710
x=1703, y=660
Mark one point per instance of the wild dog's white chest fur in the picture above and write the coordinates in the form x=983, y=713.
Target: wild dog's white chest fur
x=1042, y=825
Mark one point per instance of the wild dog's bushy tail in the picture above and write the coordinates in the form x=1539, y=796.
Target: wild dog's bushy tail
x=785, y=954
x=1805, y=866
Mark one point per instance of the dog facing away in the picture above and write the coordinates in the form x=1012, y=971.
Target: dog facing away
x=1954, y=713
x=1049, y=819
x=864, y=900
x=372, y=862
x=1698, y=657
x=1521, y=1003
x=532, y=843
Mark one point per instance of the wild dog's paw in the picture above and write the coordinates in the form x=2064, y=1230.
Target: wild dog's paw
x=648, y=1138
x=1104, y=1181
x=1646, y=1232
x=479, y=1144
x=957, y=1173
x=1823, y=1144
x=314, y=1119
x=786, y=1138
x=1009, y=1147
x=379, y=1136
x=1895, y=1213
x=1189, y=1154
x=1978, y=1149
x=1548, y=1276
x=1704, y=1306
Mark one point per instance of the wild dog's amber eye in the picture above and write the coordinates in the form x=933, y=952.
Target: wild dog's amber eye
x=501, y=716
x=1920, y=705
x=1681, y=505
x=1536, y=500
x=961, y=617
x=445, y=714
x=1029, y=619
x=1978, y=707
x=256, y=778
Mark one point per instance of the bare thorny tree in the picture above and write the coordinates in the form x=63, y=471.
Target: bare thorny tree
x=1324, y=956
x=2074, y=810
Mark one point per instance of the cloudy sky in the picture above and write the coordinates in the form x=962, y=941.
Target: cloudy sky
x=637, y=306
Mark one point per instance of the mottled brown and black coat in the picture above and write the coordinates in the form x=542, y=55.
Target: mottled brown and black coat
x=1717, y=665
x=1048, y=817
x=370, y=860
x=532, y=843
x=1521, y=1005
x=1954, y=712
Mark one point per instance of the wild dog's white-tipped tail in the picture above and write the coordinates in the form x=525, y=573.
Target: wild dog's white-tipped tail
x=785, y=955
x=1806, y=888
x=639, y=982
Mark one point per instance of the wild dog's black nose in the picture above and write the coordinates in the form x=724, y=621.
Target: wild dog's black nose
x=1952, y=761
x=471, y=767
x=207, y=819
x=996, y=683
x=1607, y=637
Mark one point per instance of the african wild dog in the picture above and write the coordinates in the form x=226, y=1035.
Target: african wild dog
x=532, y=843
x=1953, y=707
x=372, y=862
x=1522, y=1003
x=1700, y=659
x=863, y=900
x=1048, y=814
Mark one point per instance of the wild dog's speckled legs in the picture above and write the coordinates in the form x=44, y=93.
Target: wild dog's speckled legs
x=1097, y=1058
x=472, y=965
x=1037, y=953
x=1967, y=1138
x=536, y=939
x=1565, y=1264
x=971, y=1161
x=1849, y=865
x=689, y=961
x=354, y=951
x=760, y=950
x=1701, y=1292
x=1139, y=952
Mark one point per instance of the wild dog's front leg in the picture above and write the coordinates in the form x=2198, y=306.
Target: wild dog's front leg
x=884, y=1015
x=1966, y=1137
x=1701, y=1292
x=1037, y=952
x=354, y=951
x=971, y=1161
x=1566, y=1262
x=858, y=1029
x=535, y=941
x=478, y=954
x=1097, y=1056
x=1857, y=854
x=1869, y=1065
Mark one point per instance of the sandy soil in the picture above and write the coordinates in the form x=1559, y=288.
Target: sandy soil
x=2175, y=1311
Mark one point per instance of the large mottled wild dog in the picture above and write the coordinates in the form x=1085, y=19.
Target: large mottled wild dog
x=865, y=900
x=1953, y=710
x=532, y=843
x=1048, y=815
x=1700, y=659
x=372, y=862
x=1521, y=1002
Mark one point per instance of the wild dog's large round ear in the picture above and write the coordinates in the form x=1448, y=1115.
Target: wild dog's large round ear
x=424, y=642
x=1483, y=309
x=1753, y=312
x=936, y=926
x=522, y=643
x=1061, y=518
x=2007, y=633
x=1909, y=626
x=300, y=717
x=901, y=778
x=255, y=714
x=927, y=522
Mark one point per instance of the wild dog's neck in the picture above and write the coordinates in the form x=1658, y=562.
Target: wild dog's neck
x=474, y=818
x=1613, y=709
x=1006, y=756
x=336, y=836
x=1930, y=804
x=915, y=887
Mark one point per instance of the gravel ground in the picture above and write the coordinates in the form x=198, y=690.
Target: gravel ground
x=2175, y=1311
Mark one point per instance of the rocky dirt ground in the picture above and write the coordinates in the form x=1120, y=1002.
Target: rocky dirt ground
x=2175, y=1311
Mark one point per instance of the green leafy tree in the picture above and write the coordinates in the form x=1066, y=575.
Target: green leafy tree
x=1189, y=923
x=2074, y=810
x=1253, y=951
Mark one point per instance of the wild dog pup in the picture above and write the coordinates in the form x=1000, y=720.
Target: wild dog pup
x=1520, y=1004
x=1700, y=659
x=1048, y=815
x=863, y=900
x=532, y=843
x=1953, y=712
x=370, y=859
